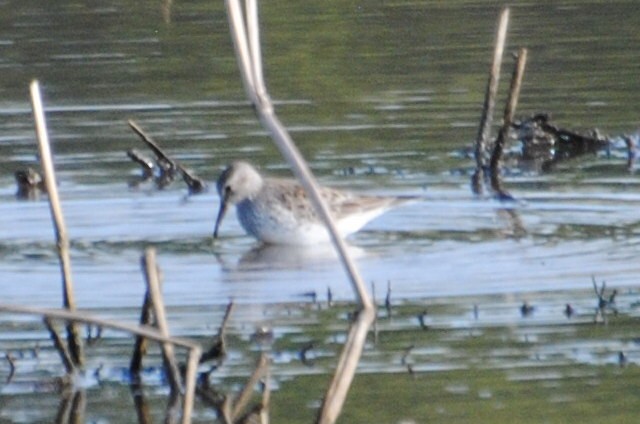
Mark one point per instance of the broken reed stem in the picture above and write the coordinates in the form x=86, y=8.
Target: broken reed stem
x=509, y=112
x=190, y=384
x=195, y=184
x=143, y=413
x=140, y=346
x=243, y=398
x=218, y=349
x=484, y=130
x=266, y=399
x=225, y=320
x=246, y=40
x=62, y=241
x=78, y=407
x=60, y=347
x=346, y=369
x=153, y=289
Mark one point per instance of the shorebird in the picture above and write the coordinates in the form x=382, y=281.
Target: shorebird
x=278, y=211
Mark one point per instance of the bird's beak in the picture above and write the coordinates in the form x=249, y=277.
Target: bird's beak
x=221, y=212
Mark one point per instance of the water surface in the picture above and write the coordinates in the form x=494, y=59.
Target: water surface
x=381, y=97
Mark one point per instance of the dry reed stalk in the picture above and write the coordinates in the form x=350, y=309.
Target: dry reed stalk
x=243, y=398
x=62, y=241
x=484, y=129
x=509, y=112
x=266, y=399
x=153, y=288
x=246, y=40
x=190, y=384
x=78, y=407
x=346, y=369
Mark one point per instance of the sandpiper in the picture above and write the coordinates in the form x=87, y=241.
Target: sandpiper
x=278, y=211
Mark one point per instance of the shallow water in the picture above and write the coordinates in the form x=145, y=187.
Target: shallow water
x=380, y=97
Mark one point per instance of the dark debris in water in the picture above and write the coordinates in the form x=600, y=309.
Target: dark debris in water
x=164, y=170
x=545, y=144
x=30, y=184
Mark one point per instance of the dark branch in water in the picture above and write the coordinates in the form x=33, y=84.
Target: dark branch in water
x=12, y=367
x=387, y=299
x=67, y=361
x=29, y=184
x=545, y=144
x=406, y=353
x=91, y=339
x=421, y=320
x=145, y=163
x=604, y=303
x=168, y=168
x=218, y=349
x=303, y=354
x=632, y=152
x=140, y=347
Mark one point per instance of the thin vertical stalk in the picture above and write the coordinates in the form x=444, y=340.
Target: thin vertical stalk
x=190, y=383
x=346, y=369
x=509, y=112
x=236, y=20
x=153, y=286
x=62, y=241
x=484, y=129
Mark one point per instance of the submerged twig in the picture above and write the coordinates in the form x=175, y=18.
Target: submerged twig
x=304, y=352
x=604, y=303
x=12, y=367
x=387, y=299
x=484, y=129
x=67, y=361
x=62, y=241
x=406, y=354
x=632, y=152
